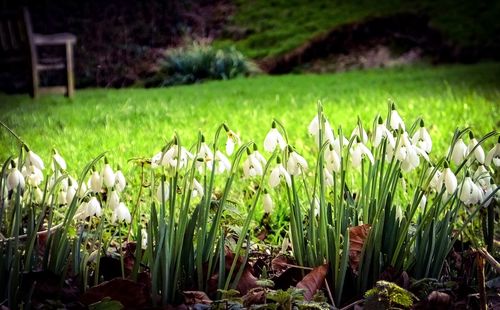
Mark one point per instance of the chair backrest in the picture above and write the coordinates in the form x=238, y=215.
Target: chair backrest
x=16, y=37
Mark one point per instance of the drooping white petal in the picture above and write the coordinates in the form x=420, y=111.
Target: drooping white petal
x=332, y=160
x=197, y=189
x=108, y=176
x=277, y=174
x=121, y=214
x=59, y=160
x=35, y=160
x=93, y=208
x=95, y=182
x=422, y=139
x=296, y=164
x=114, y=200
x=223, y=162
x=163, y=195
x=459, y=152
x=274, y=139
x=267, y=202
x=493, y=156
x=449, y=180
x=15, y=179
x=478, y=152
x=396, y=121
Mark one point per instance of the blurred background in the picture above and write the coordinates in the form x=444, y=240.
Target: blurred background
x=148, y=43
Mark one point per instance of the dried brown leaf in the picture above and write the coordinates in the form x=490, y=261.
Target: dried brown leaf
x=313, y=281
x=357, y=237
x=196, y=297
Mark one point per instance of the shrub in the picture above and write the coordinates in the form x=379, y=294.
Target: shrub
x=198, y=62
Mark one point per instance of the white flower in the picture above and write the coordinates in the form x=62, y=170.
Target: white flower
x=35, y=160
x=422, y=139
x=83, y=190
x=222, y=162
x=252, y=166
x=358, y=151
x=313, y=129
x=232, y=140
x=332, y=159
x=449, y=180
x=165, y=193
x=381, y=132
x=120, y=180
x=296, y=164
x=482, y=176
x=156, y=160
x=121, y=214
x=267, y=201
x=407, y=153
x=71, y=190
x=37, y=195
x=15, y=179
x=478, y=152
x=494, y=155
x=171, y=157
x=93, y=208
x=197, y=189
x=144, y=239
x=399, y=213
x=328, y=177
x=35, y=176
x=423, y=202
x=459, y=152
x=114, y=200
x=488, y=190
x=396, y=121
x=360, y=134
x=273, y=139
x=61, y=198
x=204, y=158
x=108, y=176
x=470, y=193
x=435, y=181
x=59, y=161
x=277, y=174
x=95, y=182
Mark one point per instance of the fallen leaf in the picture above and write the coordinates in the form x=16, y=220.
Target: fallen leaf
x=196, y=297
x=313, y=281
x=131, y=294
x=357, y=237
x=255, y=296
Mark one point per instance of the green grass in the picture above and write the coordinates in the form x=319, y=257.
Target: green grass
x=138, y=122
x=279, y=26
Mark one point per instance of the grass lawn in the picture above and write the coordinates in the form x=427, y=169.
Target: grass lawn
x=138, y=122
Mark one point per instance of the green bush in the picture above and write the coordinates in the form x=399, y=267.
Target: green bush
x=198, y=62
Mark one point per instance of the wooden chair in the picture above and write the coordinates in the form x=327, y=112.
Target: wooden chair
x=19, y=46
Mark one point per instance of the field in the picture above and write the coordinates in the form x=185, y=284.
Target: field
x=137, y=122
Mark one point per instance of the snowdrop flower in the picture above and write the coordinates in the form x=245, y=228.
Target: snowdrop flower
x=35, y=160
x=37, y=195
x=120, y=180
x=204, y=157
x=399, y=213
x=470, y=193
x=422, y=139
x=494, y=155
x=82, y=191
x=314, y=127
x=273, y=139
x=448, y=179
x=482, y=176
x=381, y=132
x=81, y=212
x=35, y=176
x=408, y=154
x=267, y=201
x=144, y=239
x=478, y=151
x=15, y=178
x=328, y=177
x=277, y=174
x=435, y=181
x=58, y=160
x=336, y=144
x=61, y=198
x=165, y=193
x=358, y=152
x=108, y=176
x=93, y=208
x=156, y=159
x=423, y=203
x=361, y=133
x=488, y=190
x=252, y=166
x=171, y=157
x=121, y=214
x=71, y=190
x=332, y=159
x=396, y=121
x=95, y=181
x=114, y=199
x=197, y=189
x=232, y=140
x=222, y=162
x=316, y=206
x=296, y=164
x=459, y=152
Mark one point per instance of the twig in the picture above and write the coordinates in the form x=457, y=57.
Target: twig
x=484, y=253
x=353, y=304
x=330, y=294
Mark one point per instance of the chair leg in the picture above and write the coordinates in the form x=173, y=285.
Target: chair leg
x=70, y=85
x=35, y=82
